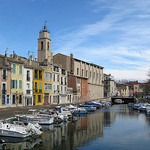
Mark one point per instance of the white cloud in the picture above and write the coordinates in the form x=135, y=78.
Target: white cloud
x=122, y=38
x=127, y=74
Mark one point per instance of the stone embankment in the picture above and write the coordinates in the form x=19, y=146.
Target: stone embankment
x=10, y=111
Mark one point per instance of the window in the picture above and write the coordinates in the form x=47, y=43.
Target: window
x=20, y=99
x=13, y=84
x=40, y=87
x=35, y=86
x=63, y=72
x=48, y=75
x=40, y=74
x=4, y=88
x=36, y=74
x=58, y=78
x=20, y=69
x=8, y=97
x=13, y=99
x=28, y=85
x=39, y=98
x=28, y=75
x=47, y=45
x=61, y=89
x=77, y=71
x=54, y=77
x=65, y=81
x=82, y=72
x=93, y=74
x=61, y=80
x=20, y=84
x=78, y=80
x=58, y=88
x=48, y=86
x=65, y=89
x=4, y=74
x=3, y=99
x=14, y=68
x=54, y=88
x=42, y=45
x=86, y=73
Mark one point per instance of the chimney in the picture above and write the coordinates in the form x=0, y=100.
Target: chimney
x=71, y=64
x=5, y=59
x=30, y=58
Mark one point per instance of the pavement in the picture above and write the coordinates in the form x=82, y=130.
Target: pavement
x=11, y=111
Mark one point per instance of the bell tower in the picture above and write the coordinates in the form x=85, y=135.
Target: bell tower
x=44, y=46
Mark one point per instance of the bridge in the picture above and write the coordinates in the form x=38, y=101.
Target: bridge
x=122, y=100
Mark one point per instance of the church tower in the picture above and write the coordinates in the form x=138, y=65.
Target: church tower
x=44, y=46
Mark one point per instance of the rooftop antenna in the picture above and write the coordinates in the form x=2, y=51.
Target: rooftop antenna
x=6, y=51
x=28, y=54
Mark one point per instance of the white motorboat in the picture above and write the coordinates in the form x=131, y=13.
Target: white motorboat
x=89, y=108
x=148, y=111
x=136, y=106
x=18, y=129
x=64, y=112
x=32, y=117
x=58, y=118
x=79, y=111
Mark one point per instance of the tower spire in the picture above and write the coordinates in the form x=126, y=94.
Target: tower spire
x=45, y=27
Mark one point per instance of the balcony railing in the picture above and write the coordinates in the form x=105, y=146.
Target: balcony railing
x=36, y=90
x=40, y=90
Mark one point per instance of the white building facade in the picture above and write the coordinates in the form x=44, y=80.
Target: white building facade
x=28, y=86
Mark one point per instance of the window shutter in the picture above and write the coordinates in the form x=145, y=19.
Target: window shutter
x=16, y=84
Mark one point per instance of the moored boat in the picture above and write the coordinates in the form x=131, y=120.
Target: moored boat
x=32, y=117
x=79, y=111
x=89, y=108
x=18, y=129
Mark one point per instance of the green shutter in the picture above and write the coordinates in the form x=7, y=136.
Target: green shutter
x=16, y=84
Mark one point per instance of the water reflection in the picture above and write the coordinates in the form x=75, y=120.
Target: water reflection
x=15, y=144
x=118, y=127
x=75, y=134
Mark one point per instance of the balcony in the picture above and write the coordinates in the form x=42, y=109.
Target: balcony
x=40, y=90
x=28, y=91
x=36, y=90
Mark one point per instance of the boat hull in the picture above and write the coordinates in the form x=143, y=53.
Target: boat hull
x=7, y=133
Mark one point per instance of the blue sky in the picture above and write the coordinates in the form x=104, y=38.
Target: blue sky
x=114, y=34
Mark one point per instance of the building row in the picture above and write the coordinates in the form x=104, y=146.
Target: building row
x=48, y=79
x=131, y=88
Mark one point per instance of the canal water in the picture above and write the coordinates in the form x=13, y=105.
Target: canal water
x=114, y=128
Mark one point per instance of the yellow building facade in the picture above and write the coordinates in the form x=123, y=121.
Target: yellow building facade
x=17, y=82
x=38, y=86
